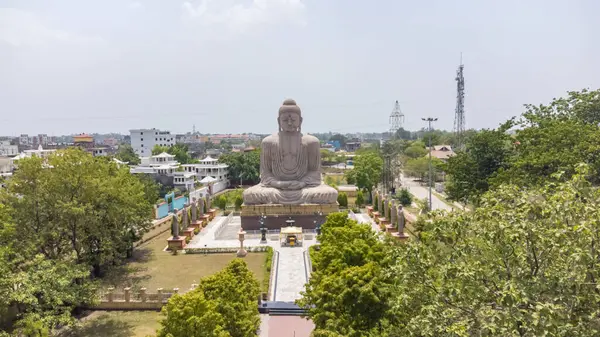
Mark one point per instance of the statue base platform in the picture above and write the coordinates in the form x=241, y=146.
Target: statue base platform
x=370, y=210
x=276, y=215
x=212, y=213
x=176, y=243
x=400, y=236
x=375, y=215
x=189, y=232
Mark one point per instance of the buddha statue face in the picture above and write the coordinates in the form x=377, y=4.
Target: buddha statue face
x=290, y=117
x=290, y=122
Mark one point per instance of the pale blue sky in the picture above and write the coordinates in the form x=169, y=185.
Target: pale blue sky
x=69, y=66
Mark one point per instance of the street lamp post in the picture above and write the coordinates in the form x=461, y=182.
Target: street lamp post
x=263, y=229
x=429, y=120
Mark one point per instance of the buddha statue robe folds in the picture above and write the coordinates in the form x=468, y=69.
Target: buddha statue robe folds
x=290, y=166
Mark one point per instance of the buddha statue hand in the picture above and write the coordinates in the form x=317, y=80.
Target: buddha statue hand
x=287, y=185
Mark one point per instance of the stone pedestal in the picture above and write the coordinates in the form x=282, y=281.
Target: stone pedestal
x=204, y=219
x=189, y=232
x=241, y=252
x=390, y=228
x=196, y=224
x=276, y=215
x=375, y=215
x=176, y=242
x=400, y=236
x=211, y=213
x=370, y=210
x=383, y=221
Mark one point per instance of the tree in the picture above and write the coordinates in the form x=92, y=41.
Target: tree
x=339, y=138
x=469, y=171
x=179, y=150
x=225, y=303
x=405, y=197
x=415, y=150
x=419, y=167
x=221, y=202
x=75, y=205
x=230, y=297
x=239, y=200
x=192, y=315
x=151, y=188
x=368, y=167
x=524, y=264
x=127, y=154
x=360, y=198
x=243, y=166
x=347, y=292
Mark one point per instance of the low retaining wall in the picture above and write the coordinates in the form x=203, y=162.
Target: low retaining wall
x=224, y=250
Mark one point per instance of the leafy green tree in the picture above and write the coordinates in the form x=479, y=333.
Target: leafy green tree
x=367, y=167
x=360, y=198
x=180, y=151
x=523, y=264
x=415, y=150
x=221, y=202
x=76, y=206
x=192, y=315
x=419, y=167
x=469, y=171
x=127, y=154
x=347, y=292
x=224, y=304
x=405, y=197
x=239, y=200
x=244, y=167
x=151, y=188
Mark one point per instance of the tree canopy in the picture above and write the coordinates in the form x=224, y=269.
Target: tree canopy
x=367, y=170
x=224, y=304
x=243, y=165
x=63, y=221
x=127, y=154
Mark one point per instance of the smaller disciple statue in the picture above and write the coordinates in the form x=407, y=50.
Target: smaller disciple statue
x=290, y=165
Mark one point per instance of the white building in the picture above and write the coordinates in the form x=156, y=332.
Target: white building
x=143, y=140
x=162, y=164
x=208, y=167
x=8, y=150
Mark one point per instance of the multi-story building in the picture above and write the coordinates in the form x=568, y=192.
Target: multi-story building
x=143, y=140
x=6, y=149
x=24, y=139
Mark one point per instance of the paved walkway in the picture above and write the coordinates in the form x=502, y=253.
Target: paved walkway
x=365, y=218
x=291, y=272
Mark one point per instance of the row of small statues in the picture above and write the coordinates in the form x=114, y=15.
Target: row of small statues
x=197, y=209
x=389, y=208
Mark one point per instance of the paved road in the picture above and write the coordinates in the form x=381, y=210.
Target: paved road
x=422, y=192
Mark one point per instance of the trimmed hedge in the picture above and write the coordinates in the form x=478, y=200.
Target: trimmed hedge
x=222, y=250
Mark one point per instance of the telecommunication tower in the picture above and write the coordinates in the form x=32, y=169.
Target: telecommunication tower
x=459, y=114
x=396, y=120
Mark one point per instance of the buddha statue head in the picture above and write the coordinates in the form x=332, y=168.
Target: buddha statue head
x=290, y=117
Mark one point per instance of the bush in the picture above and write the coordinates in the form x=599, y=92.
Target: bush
x=187, y=239
x=375, y=203
x=356, y=210
x=360, y=198
x=342, y=199
x=238, y=202
x=267, y=272
x=196, y=231
x=405, y=197
x=204, y=224
x=221, y=202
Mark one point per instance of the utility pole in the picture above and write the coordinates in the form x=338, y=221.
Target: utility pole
x=429, y=120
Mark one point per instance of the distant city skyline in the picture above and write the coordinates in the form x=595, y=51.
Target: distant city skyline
x=110, y=66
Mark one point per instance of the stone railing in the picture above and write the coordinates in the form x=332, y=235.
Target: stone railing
x=223, y=224
x=140, y=300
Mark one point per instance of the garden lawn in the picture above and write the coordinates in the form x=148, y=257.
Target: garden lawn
x=117, y=324
x=152, y=267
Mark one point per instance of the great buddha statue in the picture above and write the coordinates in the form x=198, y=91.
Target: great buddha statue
x=290, y=165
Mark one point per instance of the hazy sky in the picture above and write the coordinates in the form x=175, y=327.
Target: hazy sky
x=71, y=66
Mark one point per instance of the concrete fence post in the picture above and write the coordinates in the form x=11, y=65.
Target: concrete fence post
x=143, y=295
x=175, y=290
x=159, y=291
x=110, y=295
x=127, y=294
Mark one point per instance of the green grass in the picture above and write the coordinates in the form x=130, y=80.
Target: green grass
x=152, y=267
x=117, y=324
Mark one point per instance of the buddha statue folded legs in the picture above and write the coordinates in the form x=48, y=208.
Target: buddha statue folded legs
x=259, y=194
x=290, y=165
